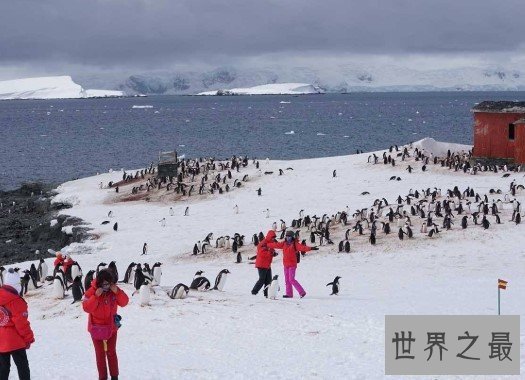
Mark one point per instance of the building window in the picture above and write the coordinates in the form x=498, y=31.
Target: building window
x=511, y=131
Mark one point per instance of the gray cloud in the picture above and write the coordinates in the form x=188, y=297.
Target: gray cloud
x=158, y=33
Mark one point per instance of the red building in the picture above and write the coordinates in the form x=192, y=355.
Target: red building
x=499, y=131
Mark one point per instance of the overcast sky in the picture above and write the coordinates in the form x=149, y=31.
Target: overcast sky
x=158, y=34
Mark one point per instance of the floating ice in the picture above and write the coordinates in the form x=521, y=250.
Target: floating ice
x=140, y=106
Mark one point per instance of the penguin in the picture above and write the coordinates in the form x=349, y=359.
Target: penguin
x=400, y=233
x=341, y=246
x=58, y=288
x=88, y=279
x=372, y=239
x=464, y=222
x=77, y=289
x=2, y=270
x=200, y=283
x=234, y=246
x=100, y=267
x=274, y=288
x=220, y=281
x=485, y=223
x=335, y=286
x=76, y=271
x=195, y=249
x=145, y=249
x=347, y=246
x=128, y=273
x=517, y=219
x=179, y=291
x=139, y=278
x=157, y=274
x=144, y=293
x=239, y=258
x=24, y=283
x=115, y=226
x=42, y=270
x=33, y=272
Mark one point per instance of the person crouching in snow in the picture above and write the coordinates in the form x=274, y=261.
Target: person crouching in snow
x=263, y=263
x=100, y=302
x=16, y=335
x=290, y=249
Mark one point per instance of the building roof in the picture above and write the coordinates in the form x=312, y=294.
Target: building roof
x=520, y=121
x=500, y=107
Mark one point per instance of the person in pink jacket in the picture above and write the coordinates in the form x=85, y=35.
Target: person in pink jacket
x=290, y=249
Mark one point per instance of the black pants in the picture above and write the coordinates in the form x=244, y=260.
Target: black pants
x=265, y=279
x=20, y=359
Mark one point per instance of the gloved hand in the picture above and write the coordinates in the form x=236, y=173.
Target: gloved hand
x=315, y=248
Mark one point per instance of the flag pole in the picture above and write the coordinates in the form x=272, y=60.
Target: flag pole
x=498, y=301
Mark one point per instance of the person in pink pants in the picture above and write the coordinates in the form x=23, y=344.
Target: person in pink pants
x=290, y=249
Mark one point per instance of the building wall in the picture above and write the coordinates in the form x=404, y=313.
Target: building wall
x=519, y=153
x=491, y=134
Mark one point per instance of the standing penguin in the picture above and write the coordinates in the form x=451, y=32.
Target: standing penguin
x=274, y=288
x=77, y=289
x=239, y=258
x=127, y=274
x=42, y=270
x=517, y=219
x=335, y=286
x=115, y=226
x=144, y=293
x=220, y=281
x=88, y=279
x=139, y=279
x=157, y=274
x=145, y=249
x=59, y=289
x=76, y=271
x=112, y=267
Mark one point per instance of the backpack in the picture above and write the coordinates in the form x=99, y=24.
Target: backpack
x=5, y=316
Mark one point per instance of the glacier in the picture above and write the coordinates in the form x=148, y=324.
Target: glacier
x=53, y=87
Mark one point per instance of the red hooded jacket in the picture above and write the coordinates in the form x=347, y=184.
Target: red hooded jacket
x=290, y=251
x=264, y=254
x=102, y=309
x=17, y=333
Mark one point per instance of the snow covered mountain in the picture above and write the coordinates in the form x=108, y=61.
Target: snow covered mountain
x=49, y=88
x=270, y=89
x=338, y=78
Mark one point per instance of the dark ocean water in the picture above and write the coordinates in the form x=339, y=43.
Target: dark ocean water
x=59, y=140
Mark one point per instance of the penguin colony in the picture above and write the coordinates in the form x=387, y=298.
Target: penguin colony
x=196, y=177
x=144, y=278
x=419, y=213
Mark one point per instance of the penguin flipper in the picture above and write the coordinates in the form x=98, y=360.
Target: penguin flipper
x=330, y=283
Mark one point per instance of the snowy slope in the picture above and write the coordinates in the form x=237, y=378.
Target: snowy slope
x=236, y=335
x=49, y=88
x=270, y=89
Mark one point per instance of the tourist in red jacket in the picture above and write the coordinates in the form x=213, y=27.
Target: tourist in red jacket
x=263, y=263
x=101, y=302
x=59, y=260
x=16, y=335
x=290, y=248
